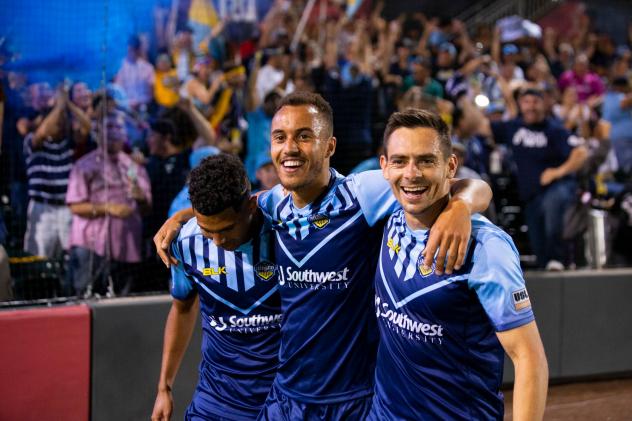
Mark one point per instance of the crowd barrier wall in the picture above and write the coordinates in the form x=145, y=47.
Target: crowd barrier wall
x=584, y=319
x=45, y=364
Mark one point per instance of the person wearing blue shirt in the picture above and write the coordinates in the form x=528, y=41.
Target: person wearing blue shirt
x=617, y=110
x=226, y=267
x=327, y=237
x=546, y=157
x=327, y=232
x=443, y=336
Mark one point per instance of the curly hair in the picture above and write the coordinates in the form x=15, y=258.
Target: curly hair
x=218, y=183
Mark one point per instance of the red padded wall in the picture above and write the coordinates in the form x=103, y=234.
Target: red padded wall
x=45, y=364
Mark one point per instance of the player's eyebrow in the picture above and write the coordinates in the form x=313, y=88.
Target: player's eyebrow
x=227, y=228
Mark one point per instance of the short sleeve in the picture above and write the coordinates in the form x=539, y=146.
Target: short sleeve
x=497, y=279
x=268, y=200
x=182, y=286
x=78, y=190
x=374, y=195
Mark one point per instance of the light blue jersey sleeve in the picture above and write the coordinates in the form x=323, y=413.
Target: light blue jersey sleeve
x=374, y=195
x=497, y=279
x=182, y=286
x=268, y=200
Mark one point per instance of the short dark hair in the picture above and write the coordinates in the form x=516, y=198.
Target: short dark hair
x=413, y=118
x=296, y=99
x=218, y=183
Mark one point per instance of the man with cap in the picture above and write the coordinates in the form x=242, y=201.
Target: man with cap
x=546, y=157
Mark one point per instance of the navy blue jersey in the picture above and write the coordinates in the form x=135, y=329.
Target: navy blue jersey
x=241, y=318
x=439, y=357
x=535, y=148
x=326, y=253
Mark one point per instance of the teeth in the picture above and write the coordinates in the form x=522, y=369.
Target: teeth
x=292, y=163
x=413, y=189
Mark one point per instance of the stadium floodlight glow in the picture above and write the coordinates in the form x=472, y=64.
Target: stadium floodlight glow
x=481, y=101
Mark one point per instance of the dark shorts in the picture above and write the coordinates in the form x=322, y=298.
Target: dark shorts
x=280, y=407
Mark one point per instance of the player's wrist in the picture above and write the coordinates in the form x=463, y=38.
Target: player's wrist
x=164, y=388
x=458, y=201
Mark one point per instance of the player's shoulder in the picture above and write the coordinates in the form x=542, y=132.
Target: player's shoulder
x=489, y=239
x=364, y=178
x=270, y=199
x=188, y=230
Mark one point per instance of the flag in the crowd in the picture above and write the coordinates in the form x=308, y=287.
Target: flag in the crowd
x=353, y=6
x=205, y=14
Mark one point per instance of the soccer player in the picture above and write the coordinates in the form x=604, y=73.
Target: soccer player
x=442, y=336
x=327, y=241
x=226, y=265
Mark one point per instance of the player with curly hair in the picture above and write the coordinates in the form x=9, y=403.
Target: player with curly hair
x=225, y=266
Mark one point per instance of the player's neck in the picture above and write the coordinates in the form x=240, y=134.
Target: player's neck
x=307, y=194
x=427, y=218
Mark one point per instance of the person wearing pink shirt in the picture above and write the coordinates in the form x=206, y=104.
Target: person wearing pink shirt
x=107, y=194
x=587, y=84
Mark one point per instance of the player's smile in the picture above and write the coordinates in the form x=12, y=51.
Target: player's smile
x=412, y=193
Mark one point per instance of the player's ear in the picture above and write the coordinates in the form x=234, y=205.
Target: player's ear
x=331, y=147
x=453, y=165
x=252, y=204
x=383, y=162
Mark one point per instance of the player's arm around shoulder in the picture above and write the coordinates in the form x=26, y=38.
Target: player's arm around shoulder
x=450, y=234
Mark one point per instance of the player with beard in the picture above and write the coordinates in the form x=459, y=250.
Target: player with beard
x=327, y=241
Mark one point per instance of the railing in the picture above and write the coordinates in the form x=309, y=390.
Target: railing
x=489, y=12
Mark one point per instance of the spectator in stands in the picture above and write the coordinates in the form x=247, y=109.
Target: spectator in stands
x=49, y=152
x=182, y=53
x=107, y=193
x=81, y=96
x=167, y=166
x=228, y=117
x=166, y=85
x=136, y=76
x=546, y=159
x=617, y=109
x=274, y=74
x=266, y=174
x=199, y=87
x=588, y=85
x=420, y=78
x=259, y=123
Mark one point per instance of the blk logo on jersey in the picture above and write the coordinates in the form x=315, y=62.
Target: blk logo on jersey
x=424, y=271
x=265, y=270
x=221, y=270
x=319, y=221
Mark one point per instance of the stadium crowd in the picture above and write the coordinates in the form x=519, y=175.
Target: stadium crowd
x=544, y=117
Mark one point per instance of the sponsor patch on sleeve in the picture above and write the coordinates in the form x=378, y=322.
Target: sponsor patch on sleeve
x=521, y=299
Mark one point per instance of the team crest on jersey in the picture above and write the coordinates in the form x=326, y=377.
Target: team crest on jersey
x=424, y=271
x=319, y=221
x=265, y=270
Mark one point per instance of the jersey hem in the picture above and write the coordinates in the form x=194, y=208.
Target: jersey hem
x=326, y=399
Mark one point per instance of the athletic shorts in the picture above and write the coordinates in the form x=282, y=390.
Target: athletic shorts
x=280, y=407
